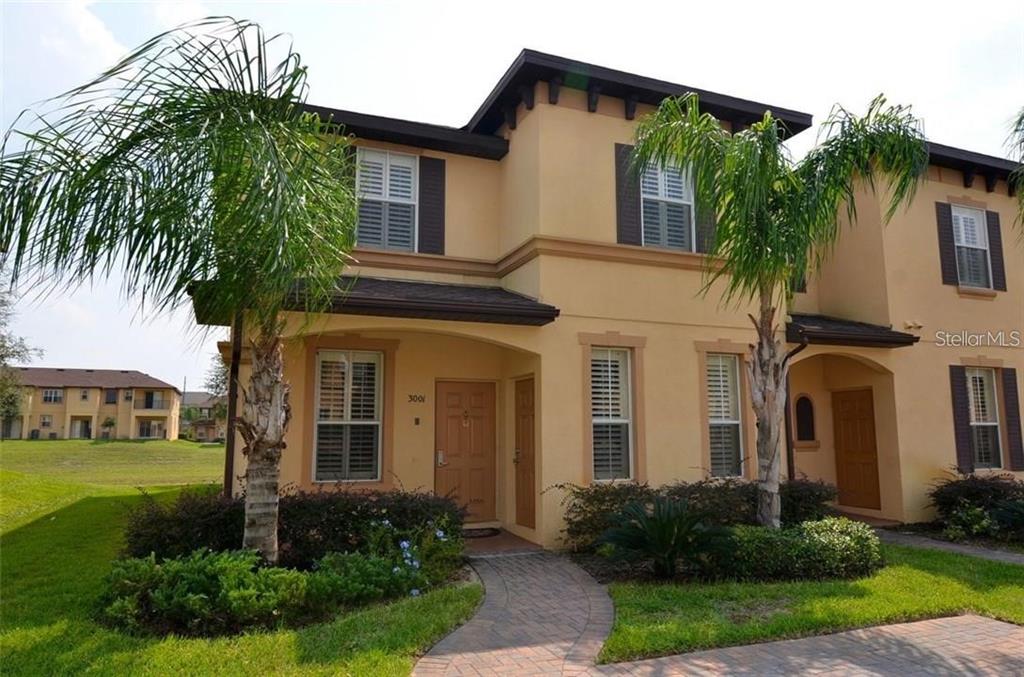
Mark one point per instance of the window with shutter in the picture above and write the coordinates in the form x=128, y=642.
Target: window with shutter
x=984, y=417
x=970, y=234
x=611, y=410
x=348, y=421
x=666, y=209
x=722, y=380
x=387, y=188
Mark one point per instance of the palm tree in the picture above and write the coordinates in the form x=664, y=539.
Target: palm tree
x=190, y=168
x=777, y=218
x=1016, y=142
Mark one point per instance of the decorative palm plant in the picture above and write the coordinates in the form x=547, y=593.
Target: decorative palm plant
x=190, y=167
x=776, y=220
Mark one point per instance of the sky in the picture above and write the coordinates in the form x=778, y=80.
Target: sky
x=960, y=66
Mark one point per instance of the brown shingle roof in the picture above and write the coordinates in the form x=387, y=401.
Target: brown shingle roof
x=51, y=377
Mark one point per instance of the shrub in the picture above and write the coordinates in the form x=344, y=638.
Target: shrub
x=591, y=510
x=724, y=501
x=1009, y=519
x=216, y=593
x=806, y=500
x=668, y=533
x=977, y=491
x=834, y=547
x=310, y=524
x=968, y=521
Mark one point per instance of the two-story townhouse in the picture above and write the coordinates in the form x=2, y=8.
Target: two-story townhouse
x=94, y=404
x=524, y=312
x=206, y=418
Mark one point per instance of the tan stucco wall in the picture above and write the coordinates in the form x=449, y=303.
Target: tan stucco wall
x=96, y=410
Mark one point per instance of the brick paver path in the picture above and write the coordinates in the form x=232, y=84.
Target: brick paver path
x=543, y=615
x=962, y=645
x=916, y=541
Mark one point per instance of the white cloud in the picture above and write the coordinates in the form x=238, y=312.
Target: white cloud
x=89, y=39
x=170, y=13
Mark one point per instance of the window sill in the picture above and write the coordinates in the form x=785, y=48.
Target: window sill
x=806, y=445
x=976, y=292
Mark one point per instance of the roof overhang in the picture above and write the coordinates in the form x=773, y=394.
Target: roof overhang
x=989, y=167
x=825, y=330
x=532, y=66
x=420, y=300
x=409, y=133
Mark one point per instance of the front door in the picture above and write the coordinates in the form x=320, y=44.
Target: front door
x=524, y=458
x=853, y=416
x=464, y=447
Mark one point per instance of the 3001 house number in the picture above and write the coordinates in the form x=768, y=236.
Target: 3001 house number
x=419, y=399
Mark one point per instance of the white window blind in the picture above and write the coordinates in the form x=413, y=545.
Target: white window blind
x=970, y=233
x=387, y=207
x=724, y=427
x=348, y=420
x=984, y=417
x=667, y=208
x=611, y=413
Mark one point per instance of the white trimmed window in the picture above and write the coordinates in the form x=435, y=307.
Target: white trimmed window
x=984, y=417
x=348, y=418
x=724, y=426
x=53, y=395
x=667, y=210
x=84, y=394
x=46, y=421
x=387, y=188
x=970, y=233
x=611, y=409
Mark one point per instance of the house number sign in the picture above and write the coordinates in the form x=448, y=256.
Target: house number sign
x=416, y=398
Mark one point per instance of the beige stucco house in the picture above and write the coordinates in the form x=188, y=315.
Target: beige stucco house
x=524, y=314
x=81, y=403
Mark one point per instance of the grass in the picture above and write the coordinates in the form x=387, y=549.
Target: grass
x=116, y=462
x=660, y=619
x=58, y=538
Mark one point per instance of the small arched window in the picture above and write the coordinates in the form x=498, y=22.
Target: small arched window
x=804, y=419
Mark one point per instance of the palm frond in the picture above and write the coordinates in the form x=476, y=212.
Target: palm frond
x=1016, y=142
x=189, y=160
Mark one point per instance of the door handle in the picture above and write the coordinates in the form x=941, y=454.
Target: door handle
x=440, y=458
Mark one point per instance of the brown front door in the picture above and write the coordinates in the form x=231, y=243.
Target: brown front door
x=524, y=457
x=853, y=415
x=464, y=456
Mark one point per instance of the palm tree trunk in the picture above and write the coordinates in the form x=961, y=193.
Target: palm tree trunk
x=767, y=374
x=264, y=420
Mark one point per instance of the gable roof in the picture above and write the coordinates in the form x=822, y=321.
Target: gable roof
x=197, y=398
x=532, y=66
x=52, y=377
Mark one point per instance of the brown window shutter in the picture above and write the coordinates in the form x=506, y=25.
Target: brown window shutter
x=705, y=230
x=961, y=418
x=1011, y=403
x=627, y=197
x=947, y=245
x=431, y=203
x=995, y=251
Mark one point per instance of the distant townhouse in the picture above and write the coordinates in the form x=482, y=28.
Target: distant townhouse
x=93, y=403
x=203, y=416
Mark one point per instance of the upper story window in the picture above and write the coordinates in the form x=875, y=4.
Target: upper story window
x=611, y=408
x=723, y=396
x=667, y=210
x=110, y=396
x=53, y=395
x=970, y=234
x=128, y=395
x=84, y=394
x=348, y=415
x=984, y=417
x=387, y=186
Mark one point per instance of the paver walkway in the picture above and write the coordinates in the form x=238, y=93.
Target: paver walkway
x=543, y=615
x=897, y=538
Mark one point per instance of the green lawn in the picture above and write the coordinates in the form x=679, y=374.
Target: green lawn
x=654, y=620
x=58, y=538
x=118, y=462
